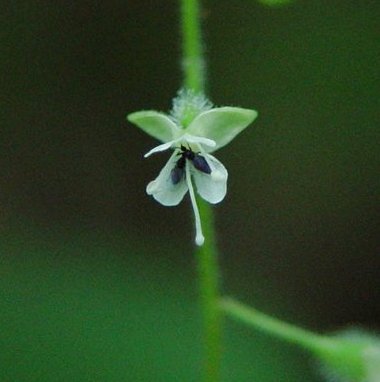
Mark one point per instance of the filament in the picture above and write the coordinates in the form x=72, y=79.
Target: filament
x=199, y=238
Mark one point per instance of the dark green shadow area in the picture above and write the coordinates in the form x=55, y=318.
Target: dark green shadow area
x=97, y=308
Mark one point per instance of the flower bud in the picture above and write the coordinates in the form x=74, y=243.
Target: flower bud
x=350, y=356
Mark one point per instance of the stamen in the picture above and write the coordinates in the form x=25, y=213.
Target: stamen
x=204, y=154
x=201, y=164
x=199, y=238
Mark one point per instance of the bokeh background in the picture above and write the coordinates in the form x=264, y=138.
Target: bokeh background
x=97, y=280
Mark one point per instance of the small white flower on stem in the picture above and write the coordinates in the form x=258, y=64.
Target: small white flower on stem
x=193, y=130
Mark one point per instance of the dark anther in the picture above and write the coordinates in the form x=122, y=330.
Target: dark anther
x=201, y=164
x=176, y=174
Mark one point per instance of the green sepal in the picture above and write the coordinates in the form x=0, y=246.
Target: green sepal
x=221, y=124
x=154, y=123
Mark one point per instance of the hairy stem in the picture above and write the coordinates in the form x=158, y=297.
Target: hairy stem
x=194, y=79
x=192, y=52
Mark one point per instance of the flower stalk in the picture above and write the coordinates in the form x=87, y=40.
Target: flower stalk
x=349, y=355
x=272, y=326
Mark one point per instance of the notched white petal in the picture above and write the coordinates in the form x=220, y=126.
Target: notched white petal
x=211, y=187
x=157, y=125
x=221, y=124
x=162, y=188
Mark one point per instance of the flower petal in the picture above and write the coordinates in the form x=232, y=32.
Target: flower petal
x=198, y=140
x=159, y=148
x=162, y=188
x=157, y=125
x=211, y=187
x=221, y=124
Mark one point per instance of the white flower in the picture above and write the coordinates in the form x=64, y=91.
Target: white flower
x=207, y=131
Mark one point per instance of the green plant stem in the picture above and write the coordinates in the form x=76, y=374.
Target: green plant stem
x=194, y=79
x=311, y=341
x=192, y=52
x=209, y=295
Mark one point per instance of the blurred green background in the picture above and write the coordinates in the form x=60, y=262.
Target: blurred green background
x=97, y=280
